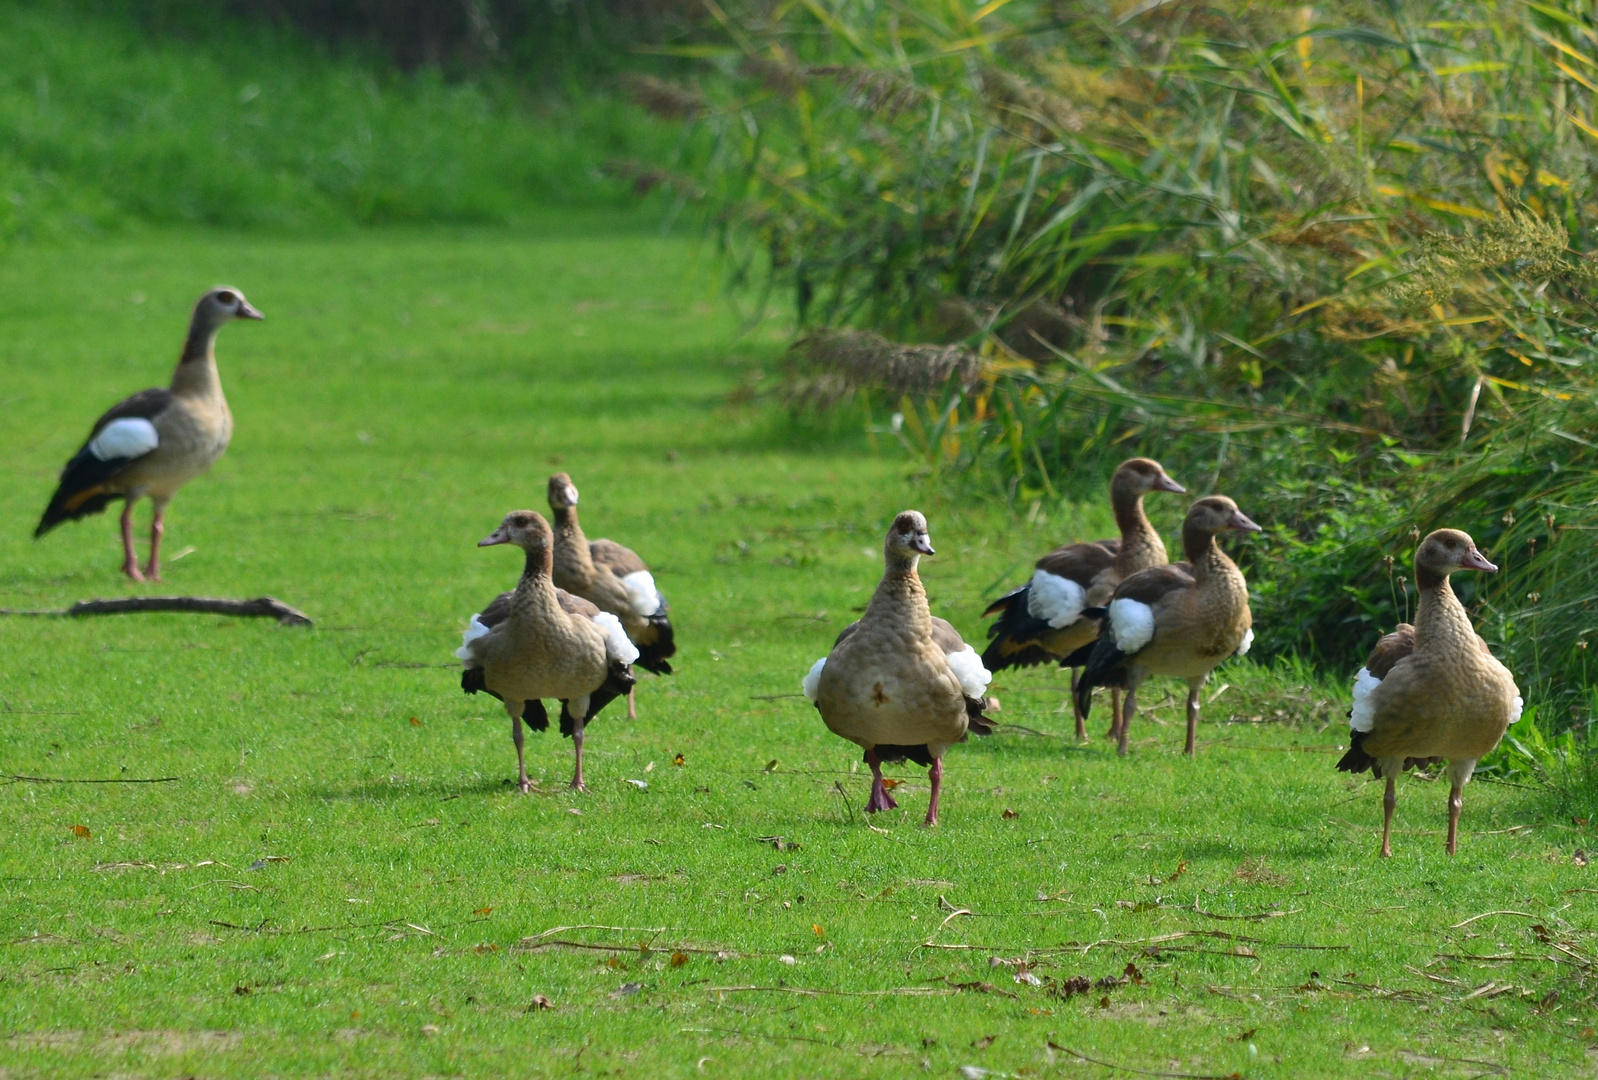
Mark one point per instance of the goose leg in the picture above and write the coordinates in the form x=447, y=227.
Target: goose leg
x=1128, y=709
x=152, y=569
x=1192, y=720
x=1456, y=802
x=130, y=558
x=880, y=799
x=1076, y=710
x=1115, y=714
x=577, y=749
x=935, y=774
x=632, y=710
x=518, y=737
x=1389, y=801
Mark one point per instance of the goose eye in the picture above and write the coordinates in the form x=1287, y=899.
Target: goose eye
x=226, y=298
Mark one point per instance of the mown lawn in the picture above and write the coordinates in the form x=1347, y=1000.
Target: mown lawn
x=340, y=879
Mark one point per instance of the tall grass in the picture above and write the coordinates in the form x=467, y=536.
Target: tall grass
x=1327, y=258
x=102, y=123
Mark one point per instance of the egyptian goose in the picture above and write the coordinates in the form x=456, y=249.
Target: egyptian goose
x=1182, y=619
x=612, y=577
x=1431, y=690
x=540, y=642
x=900, y=683
x=1042, y=622
x=155, y=441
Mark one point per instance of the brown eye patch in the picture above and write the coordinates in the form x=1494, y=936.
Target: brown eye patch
x=226, y=297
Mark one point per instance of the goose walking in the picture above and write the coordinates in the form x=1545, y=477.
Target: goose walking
x=155, y=441
x=539, y=642
x=1183, y=619
x=900, y=683
x=613, y=578
x=1431, y=690
x=1042, y=621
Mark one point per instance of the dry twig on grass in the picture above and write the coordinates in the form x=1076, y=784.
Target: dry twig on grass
x=261, y=607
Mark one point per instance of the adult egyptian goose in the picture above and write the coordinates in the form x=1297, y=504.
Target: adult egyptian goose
x=1042, y=622
x=543, y=643
x=1182, y=619
x=1431, y=690
x=900, y=683
x=612, y=577
x=155, y=441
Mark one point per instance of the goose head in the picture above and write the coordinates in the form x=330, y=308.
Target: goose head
x=1138, y=476
x=907, y=538
x=527, y=529
x=1215, y=514
x=1447, y=550
x=562, y=492
x=223, y=304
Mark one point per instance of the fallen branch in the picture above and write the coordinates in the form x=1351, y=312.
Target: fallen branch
x=262, y=606
x=14, y=778
x=1140, y=1072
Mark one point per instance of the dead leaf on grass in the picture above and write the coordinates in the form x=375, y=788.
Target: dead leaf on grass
x=539, y=1002
x=984, y=1042
x=483, y=911
x=890, y=783
x=678, y=760
x=678, y=959
x=1181, y=868
x=80, y=831
x=1009, y=815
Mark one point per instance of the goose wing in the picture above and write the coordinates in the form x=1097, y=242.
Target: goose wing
x=124, y=434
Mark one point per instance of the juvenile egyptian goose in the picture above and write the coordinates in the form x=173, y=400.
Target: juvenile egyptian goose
x=612, y=577
x=155, y=441
x=1182, y=619
x=1431, y=690
x=1042, y=622
x=900, y=683
x=544, y=643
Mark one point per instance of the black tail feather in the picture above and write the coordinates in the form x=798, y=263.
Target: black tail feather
x=535, y=716
x=1106, y=665
x=918, y=754
x=975, y=722
x=653, y=656
x=81, y=491
x=1357, y=760
x=1014, y=634
x=617, y=684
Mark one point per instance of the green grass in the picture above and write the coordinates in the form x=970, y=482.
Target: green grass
x=405, y=391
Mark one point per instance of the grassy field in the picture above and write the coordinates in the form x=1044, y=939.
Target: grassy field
x=340, y=880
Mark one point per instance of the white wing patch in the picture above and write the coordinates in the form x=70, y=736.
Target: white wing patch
x=1131, y=624
x=642, y=596
x=617, y=647
x=1514, y=713
x=1362, y=717
x=1056, y=600
x=474, y=630
x=1247, y=643
x=967, y=667
x=812, y=681
x=129, y=437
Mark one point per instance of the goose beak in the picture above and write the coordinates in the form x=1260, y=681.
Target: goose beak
x=500, y=535
x=1240, y=521
x=247, y=310
x=1475, y=560
x=571, y=495
x=923, y=544
x=1165, y=483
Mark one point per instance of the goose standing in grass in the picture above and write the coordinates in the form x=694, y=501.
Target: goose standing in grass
x=899, y=682
x=155, y=441
x=1042, y=621
x=540, y=642
x=1431, y=690
x=613, y=578
x=1183, y=619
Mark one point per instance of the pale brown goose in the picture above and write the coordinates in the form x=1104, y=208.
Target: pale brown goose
x=899, y=683
x=1042, y=621
x=615, y=579
x=1182, y=619
x=543, y=643
x=155, y=441
x=1431, y=690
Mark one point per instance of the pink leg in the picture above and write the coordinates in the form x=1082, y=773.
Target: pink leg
x=880, y=799
x=1389, y=802
x=1192, y=722
x=1128, y=708
x=935, y=774
x=152, y=569
x=520, y=739
x=1115, y=715
x=130, y=559
x=632, y=710
x=577, y=748
x=1456, y=802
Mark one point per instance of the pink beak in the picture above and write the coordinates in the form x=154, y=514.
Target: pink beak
x=500, y=535
x=1240, y=521
x=1165, y=483
x=1475, y=560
